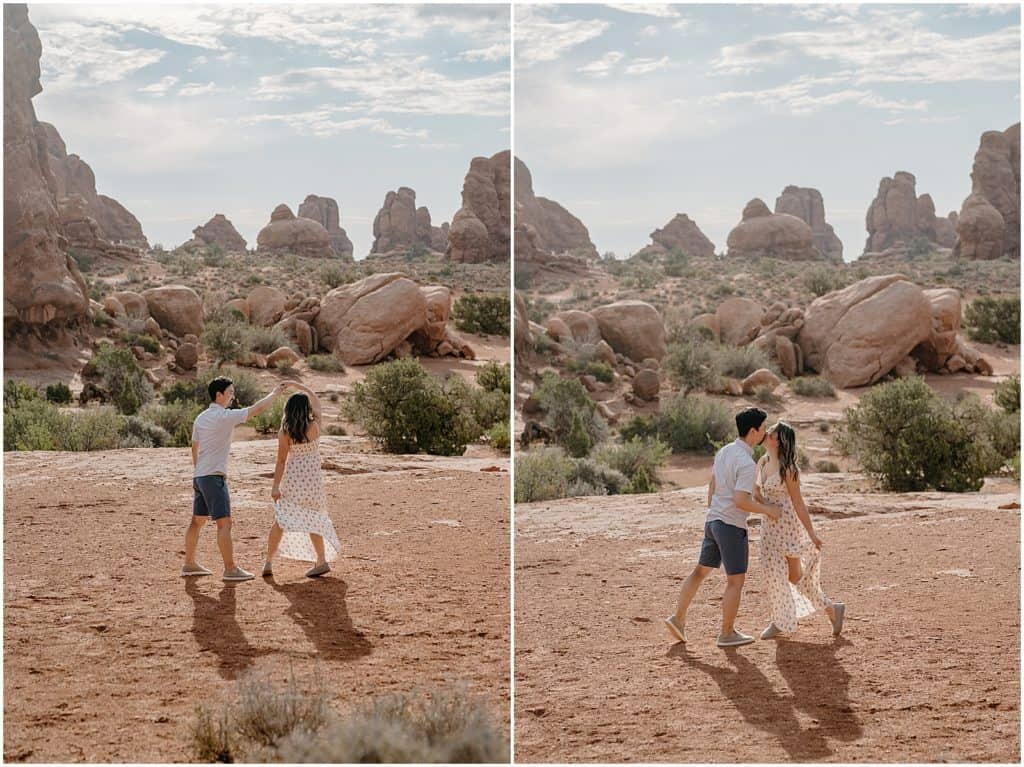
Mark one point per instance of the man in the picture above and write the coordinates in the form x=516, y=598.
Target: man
x=211, y=443
x=730, y=500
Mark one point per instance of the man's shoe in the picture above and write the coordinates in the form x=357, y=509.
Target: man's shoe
x=735, y=639
x=238, y=574
x=197, y=570
x=838, y=610
x=677, y=631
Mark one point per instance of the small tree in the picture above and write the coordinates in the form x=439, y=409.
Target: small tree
x=124, y=378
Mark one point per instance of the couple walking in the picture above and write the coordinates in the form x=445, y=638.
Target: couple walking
x=301, y=530
x=790, y=549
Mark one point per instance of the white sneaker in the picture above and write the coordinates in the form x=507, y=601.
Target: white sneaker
x=735, y=639
x=238, y=574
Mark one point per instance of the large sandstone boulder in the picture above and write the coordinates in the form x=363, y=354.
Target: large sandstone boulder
x=807, y=204
x=981, y=230
x=683, y=234
x=995, y=179
x=286, y=234
x=400, y=224
x=219, y=232
x=177, y=308
x=486, y=201
x=738, y=321
x=582, y=326
x=134, y=304
x=42, y=284
x=364, y=322
x=438, y=308
x=898, y=216
x=763, y=234
x=266, y=305
x=324, y=210
x=857, y=335
x=558, y=230
x=83, y=233
x=632, y=328
x=72, y=175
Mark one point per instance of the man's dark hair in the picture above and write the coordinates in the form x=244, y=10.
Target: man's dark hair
x=217, y=386
x=748, y=419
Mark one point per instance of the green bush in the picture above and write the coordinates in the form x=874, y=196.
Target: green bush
x=490, y=407
x=694, y=424
x=827, y=467
x=58, y=393
x=31, y=423
x=225, y=337
x=690, y=363
x=144, y=340
x=325, y=363
x=601, y=370
x=821, y=280
x=175, y=418
x=123, y=377
x=137, y=431
x=214, y=256
x=643, y=426
x=495, y=377
x=542, y=475
x=561, y=399
x=588, y=477
x=740, y=361
x=409, y=411
x=1007, y=394
x=265, y=340
x=269, y=421
x=484, y=313
x=248, y=388
x=910, y=439
x=333, y=276
x=39, y=425
x=578, y=442
x=638, y=460
x=499, y=436
x=993, y=319
x=812, y=386
x=16, y=392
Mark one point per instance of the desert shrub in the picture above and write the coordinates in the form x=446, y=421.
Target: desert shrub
x=690, y=362
x=485, y=313
x=184, y=391
x=336, y=430
x=601, y=370
x=578, y=442
x=694, y=424
x=124, y=378
x=91, y=429
x=541, y=475
x=408, y=411
x=212, y=738
x=910, y=439
x=1007, y=394
x=562, y=399
x=247, y=386
x=58, y=393
x=265, y=340
x=16, y=392
x=144, y=340
x=175, y=418
x=638, y=460
x=225, y=337
x=588, y=477
x=269, y=421
x=826, y=467
x=214, y=256
x=494, y=377
x=490, y=407
x=812, y=386
x=333, y=275
x=993, y=319
x=101, y=319
x=765, y=395
x=137, y=431
x=919, y=248
x=325, y=363
x=31, y=423
x=499, y=436
x=740, y=361
x=642, y=426
x=821, y=280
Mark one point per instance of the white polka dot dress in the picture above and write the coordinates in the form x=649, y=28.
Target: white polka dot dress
x=302, y=507
x=788, y=602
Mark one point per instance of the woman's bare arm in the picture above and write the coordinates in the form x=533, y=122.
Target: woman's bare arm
x=283, y=443
x=793, y=486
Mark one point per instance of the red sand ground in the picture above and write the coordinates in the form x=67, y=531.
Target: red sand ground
x=107, y=651
x=927, y=668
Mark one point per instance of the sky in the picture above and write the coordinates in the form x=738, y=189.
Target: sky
x=629, y=114
x=184, y=111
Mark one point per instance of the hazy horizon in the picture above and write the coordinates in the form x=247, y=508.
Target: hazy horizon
x=190, y=110
x=627, y=115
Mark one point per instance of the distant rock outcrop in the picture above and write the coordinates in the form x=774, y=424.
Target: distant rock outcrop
x=219, y=232
x=286, y=234
x=83, y=233
x=995, y=186
x=679, y=234
x=897, y=215
x=74, y=176
x=558, y=230
x=324, y=210
x=807, y=204
x=400, y=224
x=763, y=234
x=43, y=288
x=487, y=198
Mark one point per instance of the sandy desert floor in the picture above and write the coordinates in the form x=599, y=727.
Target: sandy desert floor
x=108, y=651
x=927, y=668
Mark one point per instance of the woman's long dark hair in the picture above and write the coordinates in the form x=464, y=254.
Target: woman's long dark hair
x=298, y=415
x=787, y=450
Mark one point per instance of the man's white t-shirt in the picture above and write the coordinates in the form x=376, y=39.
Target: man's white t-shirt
x=212, y=430
x=734, y=470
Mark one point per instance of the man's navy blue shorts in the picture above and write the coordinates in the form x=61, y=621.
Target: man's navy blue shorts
x=724, y=544
x=211, y=497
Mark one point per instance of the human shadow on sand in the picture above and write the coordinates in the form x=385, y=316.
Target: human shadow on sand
x=318, y=607
x=819, y=688
x=216, y=629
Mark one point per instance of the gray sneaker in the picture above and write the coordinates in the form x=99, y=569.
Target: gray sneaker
x=771, y=632
x=838, y=609
x=677, y=631
x=735, y=639
x=238, y=574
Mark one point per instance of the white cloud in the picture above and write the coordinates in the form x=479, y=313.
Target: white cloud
x=804, y=96
x=541, y=38
x=649, y=31
x=646, y=66
x=603, y=66
x=976, y=10
x=161, y=86
x=78, y=55
x=495, y=52
x=323, y=122
x=196, y=89
x=660, y=10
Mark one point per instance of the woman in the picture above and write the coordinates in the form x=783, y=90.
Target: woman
x=301, y=529
x=790, y=549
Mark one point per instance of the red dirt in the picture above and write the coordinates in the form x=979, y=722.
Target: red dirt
x=107, y=651
x=928, y=668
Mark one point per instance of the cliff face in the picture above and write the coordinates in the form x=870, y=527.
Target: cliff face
x=558, y=231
